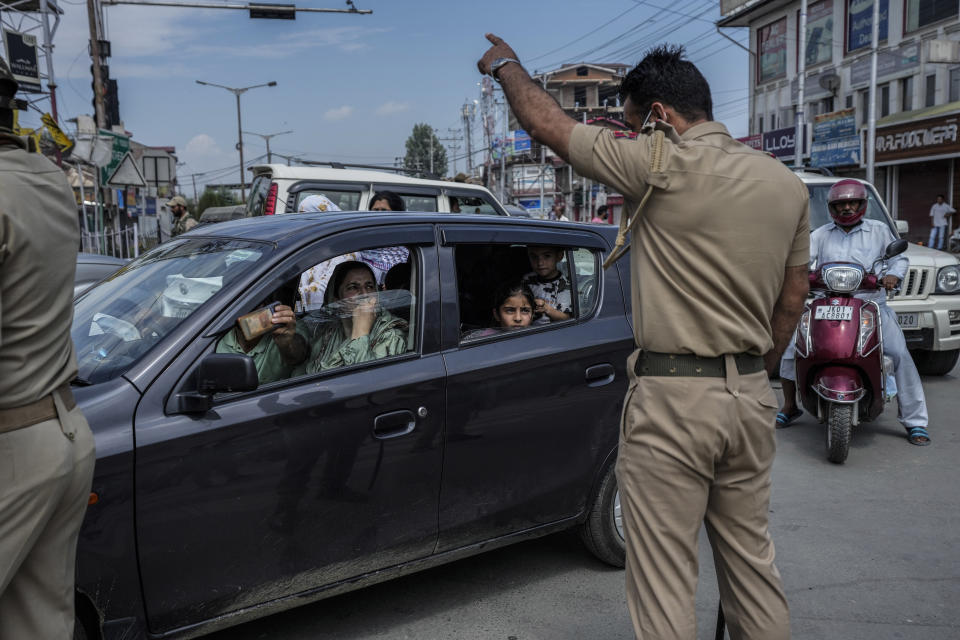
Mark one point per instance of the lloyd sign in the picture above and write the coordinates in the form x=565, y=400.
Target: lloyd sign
x=781, y=142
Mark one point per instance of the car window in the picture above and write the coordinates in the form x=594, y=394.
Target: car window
x=352, y=309
x=507, y=288
x=347, y=200
x=117, y=322
x=820, y=215
x=417, y=202
x=472, y=204
x=258, y=195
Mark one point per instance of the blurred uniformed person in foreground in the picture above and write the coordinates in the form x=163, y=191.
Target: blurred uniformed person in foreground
x=46, y=447
x=183, y=221
x=718, y=266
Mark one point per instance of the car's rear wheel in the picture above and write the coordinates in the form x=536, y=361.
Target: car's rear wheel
x=603, y=531
x=935, y=363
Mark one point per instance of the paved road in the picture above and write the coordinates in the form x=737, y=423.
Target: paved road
x=869, y=550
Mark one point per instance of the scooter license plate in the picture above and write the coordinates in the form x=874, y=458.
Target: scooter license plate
x=834, y=313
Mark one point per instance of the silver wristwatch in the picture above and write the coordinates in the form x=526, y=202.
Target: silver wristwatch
x=499, y=62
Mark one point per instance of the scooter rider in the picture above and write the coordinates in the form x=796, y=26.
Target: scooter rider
x=850, y=238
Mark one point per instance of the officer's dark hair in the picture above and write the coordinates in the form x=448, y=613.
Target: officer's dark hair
x=393, y=200
x=664, y=76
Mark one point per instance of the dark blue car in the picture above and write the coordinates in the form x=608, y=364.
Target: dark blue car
x=220, y=496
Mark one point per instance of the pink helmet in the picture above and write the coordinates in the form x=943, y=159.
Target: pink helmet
x=846, y=191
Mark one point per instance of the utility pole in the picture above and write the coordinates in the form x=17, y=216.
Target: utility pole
x=467, y=114
x=872, y=118
x=454, y=137
x=92, y=15
x=503, y=152
x=431, y=149
x=799, y=134
x=266, y=138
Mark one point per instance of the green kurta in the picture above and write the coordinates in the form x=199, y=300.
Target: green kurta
x=332, y=347
x=266, y=356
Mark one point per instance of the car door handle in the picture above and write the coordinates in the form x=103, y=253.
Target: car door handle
x=599, y=375
x=394, y=424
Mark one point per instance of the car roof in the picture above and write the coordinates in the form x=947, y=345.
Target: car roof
x=283, y=172
x=291, y=229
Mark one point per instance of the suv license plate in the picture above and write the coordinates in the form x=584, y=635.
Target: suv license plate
x=834, y=313
x=908, y=320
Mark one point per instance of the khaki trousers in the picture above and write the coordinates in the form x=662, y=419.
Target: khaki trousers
x=698, y=450
x=45, y=475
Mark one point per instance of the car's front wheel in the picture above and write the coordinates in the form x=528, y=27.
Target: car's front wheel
x=935, y=363
x=603, y=532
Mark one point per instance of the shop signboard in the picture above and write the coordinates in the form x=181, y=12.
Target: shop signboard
x=754, y=141
x=838, y=152
x=22, y=59
x=932, y=137
x=837, y=124
x=860, y=23
x=527, y=178
x=521, y=141
x=900, y=61
x=781, y=143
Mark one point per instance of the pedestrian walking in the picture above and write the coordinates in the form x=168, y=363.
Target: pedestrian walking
x=183, y=221
x=940, y=214
x=46, y=447
x=719, y=254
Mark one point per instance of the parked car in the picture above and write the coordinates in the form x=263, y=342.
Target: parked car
x=219, y=497
x=517, y=211
x=92, y=268
x=928, y=303
x=278, y=188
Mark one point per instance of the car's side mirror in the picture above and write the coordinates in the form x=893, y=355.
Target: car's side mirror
x=895, y=248
x=903, y=227
x=218, y=373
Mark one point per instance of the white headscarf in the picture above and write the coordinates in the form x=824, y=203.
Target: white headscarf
x=317, y=202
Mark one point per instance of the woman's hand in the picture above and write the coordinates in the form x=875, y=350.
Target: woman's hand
x=364, y=315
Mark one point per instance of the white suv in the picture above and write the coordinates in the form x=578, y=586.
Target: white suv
x=928, y=304
x=278, y=188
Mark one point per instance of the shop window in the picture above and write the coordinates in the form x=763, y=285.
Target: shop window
x=906, y=94
x=864, y=106
x=580, y=96
x=848, y=103
x=773, y=121
x=759, y=124
x=955, y=84
x=772, y=43
x=884, y=100
x=931, y=90
x=920, y=13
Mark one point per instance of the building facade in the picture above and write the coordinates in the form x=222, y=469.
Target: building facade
x=917, y=94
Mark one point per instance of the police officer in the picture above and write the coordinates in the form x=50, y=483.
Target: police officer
x=718, y=266
x=183, y=221
x=46, y=447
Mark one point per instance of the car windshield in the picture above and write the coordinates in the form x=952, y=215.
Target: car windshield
x=118, y=321
x=819, y=215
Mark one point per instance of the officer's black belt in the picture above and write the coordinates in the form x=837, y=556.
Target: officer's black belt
x=688, y=365
x=36, y=412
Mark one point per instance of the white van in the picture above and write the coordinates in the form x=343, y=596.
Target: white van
x=278, y=189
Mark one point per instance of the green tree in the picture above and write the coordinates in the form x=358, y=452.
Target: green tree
x=419, y=146
x=215, y=198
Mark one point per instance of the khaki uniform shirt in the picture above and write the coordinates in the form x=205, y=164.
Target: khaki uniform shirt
x=39, y=236
x=183, y=224
x=708, y=254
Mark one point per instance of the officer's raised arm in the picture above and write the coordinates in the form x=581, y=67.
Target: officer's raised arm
x=538, y=113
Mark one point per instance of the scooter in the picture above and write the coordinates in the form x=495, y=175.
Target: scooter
x=842, y=373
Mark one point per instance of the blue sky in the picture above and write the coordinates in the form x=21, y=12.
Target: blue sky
x=351, y=87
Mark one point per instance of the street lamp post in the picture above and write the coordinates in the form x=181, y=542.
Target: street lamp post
x=238, y=91
x=266, y=138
